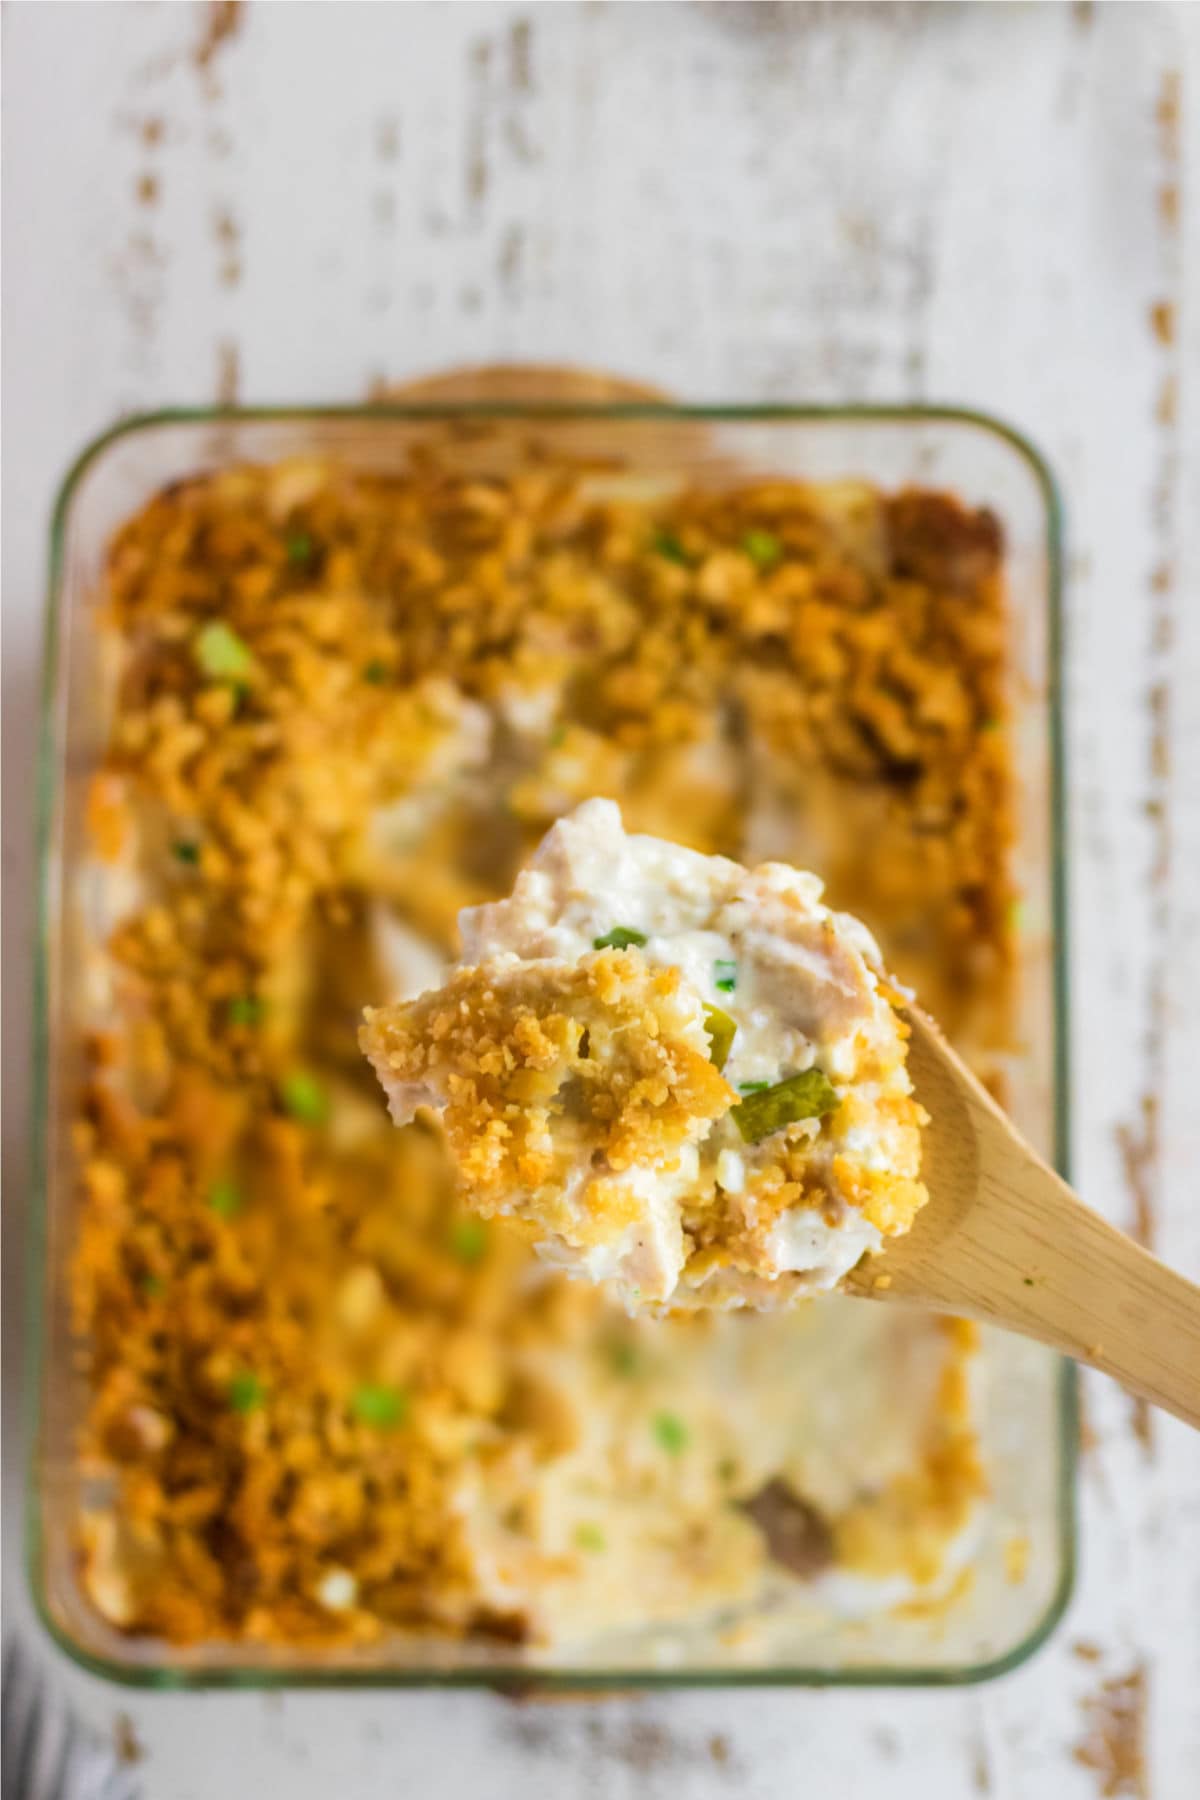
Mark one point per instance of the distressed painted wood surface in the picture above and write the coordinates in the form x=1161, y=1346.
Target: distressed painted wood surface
x=974, y=203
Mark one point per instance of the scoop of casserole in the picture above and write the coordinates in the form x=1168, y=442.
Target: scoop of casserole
x=685, y=1077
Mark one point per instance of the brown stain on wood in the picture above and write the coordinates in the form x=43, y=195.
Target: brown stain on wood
x=1168, y=114
x=501, y=88
x=228, y=385
x=478, y=174
x=223, y=19
x=510, y=258
x=1139, y=1147
x=1166, y=410
x=1162, y=321
x=127, y=1746
x=1138, y=1142
x=228, y=237
x=981, y=1764
x=642, y=1746
x=1114, y=1740
x=520, y=57
x=1089, y=1439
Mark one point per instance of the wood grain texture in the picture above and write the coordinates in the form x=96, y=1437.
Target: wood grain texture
x=973, y=203
x=1003, y=1240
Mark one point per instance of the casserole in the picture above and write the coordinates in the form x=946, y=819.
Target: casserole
x=1025, y=1411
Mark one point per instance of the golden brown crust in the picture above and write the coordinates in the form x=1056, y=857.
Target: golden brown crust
x=853, y=688
x=540, y=1068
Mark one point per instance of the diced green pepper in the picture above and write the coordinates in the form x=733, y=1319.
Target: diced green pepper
x=721, y=1031
x=299, y=548
x=670, y=1432
x=667, y=544
x=809, y=1095
x=245, y=1009
x=304, y=1097
x=752, y=1087
x=225, y=1198
x=624, y=1358
x=246, y=1393
x=725, y=975
x=185, y=852
x=376, y=673
x=380, y=1406
x=221, y=653
x=762, y=547
x=153, y=1286
x=469, y=1240
x=621, y=937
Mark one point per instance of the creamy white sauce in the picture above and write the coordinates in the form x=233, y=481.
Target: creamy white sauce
x=800, y=982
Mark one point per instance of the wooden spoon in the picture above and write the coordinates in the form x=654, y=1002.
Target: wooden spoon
x=1003, y=1239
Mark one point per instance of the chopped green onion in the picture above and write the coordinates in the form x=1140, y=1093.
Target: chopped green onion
x=667, y=544
x=806, y=1096
x=304, y=1097
x=721, y=1031
x=225, y=1198
x=221, y=653
x=185, y=852
x=752, y=1087
x=153, y=1286
x=300, y=548
x=993, y=722
x=246, y=1393
x=590, y=1537
x=621, y=937
x=469, y=1239
x=762, y=547
x=725, y=975
x=382, y=1407
x=245, y=1009
x=670, y=1432
x=376, y=673
x=624, y=1359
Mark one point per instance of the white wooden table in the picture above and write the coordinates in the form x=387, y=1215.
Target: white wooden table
x=971, y=203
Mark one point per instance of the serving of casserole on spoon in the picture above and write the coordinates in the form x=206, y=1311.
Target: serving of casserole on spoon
x=695, y=1083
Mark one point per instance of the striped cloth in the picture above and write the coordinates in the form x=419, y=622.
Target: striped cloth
x=47, y=1753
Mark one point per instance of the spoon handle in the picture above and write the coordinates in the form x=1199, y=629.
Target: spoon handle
x=1038, y=1261
x=1003, y=1239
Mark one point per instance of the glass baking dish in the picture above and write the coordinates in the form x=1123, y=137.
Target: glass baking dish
x=1028, y=1417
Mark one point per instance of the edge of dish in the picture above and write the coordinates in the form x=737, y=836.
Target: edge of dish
x=518, y=1680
